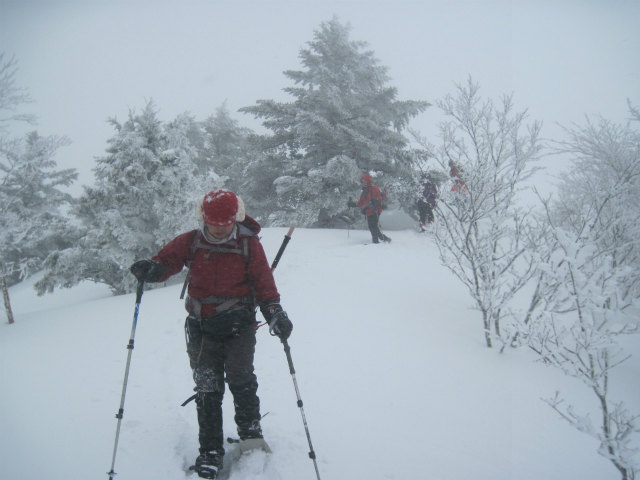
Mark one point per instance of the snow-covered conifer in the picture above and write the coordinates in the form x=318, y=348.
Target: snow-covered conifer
x=227, y=146
x=32, y=202
x=145, y=193
x=342, y=107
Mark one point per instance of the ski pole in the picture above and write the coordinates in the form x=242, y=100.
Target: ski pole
x=285, y=242
x=292, y=370
x=312, y=454
x=120, y=413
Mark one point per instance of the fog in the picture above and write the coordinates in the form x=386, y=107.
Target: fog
x=85, y=61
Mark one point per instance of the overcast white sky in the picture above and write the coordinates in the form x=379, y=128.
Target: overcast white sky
x=86, y=60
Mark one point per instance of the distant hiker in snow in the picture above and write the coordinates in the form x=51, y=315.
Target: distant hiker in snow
x=371, y=204
x=427, y=202
x=228, y=277
x=456, y=171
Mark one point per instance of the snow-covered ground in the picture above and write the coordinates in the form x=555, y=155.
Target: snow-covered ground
x=389, y=357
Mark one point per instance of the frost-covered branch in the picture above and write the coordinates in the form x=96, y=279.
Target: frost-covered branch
x=481, y=232
x=589, y=268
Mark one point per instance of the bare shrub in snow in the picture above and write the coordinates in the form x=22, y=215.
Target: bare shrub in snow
x=589, y=272
x=481, y=232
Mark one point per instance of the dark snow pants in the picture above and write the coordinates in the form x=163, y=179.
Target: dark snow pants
x=425, y=212
x=221, y=348
x=374, y=227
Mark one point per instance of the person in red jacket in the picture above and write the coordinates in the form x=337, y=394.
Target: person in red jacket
x=456, y=172
x=371, y=204
x=228, y=276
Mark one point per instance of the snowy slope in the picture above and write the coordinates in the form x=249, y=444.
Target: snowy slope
x=389, y=358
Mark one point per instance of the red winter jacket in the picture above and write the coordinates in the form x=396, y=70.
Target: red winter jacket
x=456, y=173
x=222, y=274
x=371, y=198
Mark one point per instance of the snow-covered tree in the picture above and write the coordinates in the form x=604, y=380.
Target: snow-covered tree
x=185, y=176
x=589, y=275
x=318, y=196
x=145, y=193
x=343, y=112
x=227, y=148
x=481, y=231
x=32, y=217
x=11, y=97
x=32, y=202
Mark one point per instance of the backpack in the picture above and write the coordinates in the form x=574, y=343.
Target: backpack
x=385, y=199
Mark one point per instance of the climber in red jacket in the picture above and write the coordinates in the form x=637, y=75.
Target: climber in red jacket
x=371, y=204
x=229, y=276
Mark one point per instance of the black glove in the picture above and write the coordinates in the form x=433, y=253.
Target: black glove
x=278, y=320
x=351, y=203
x=147, y=270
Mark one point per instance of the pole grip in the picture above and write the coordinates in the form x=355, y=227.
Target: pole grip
x=285, y=241
x=139, y=291
x=287, y=351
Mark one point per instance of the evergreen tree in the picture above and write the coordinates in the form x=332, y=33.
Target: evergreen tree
x=11, y=97
x=32, y=221
x=343, y=112
x=145, y=192
x=32, y=204
x=186, y=175
x=227, y=148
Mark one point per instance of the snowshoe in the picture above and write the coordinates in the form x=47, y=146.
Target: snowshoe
x=249, y=444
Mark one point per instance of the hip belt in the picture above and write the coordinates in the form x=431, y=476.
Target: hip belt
x=194, y=305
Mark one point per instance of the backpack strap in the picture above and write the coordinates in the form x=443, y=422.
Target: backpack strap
x=192, y=253
x=245, y=254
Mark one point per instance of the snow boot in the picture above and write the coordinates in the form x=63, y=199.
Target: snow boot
x=208, y=464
